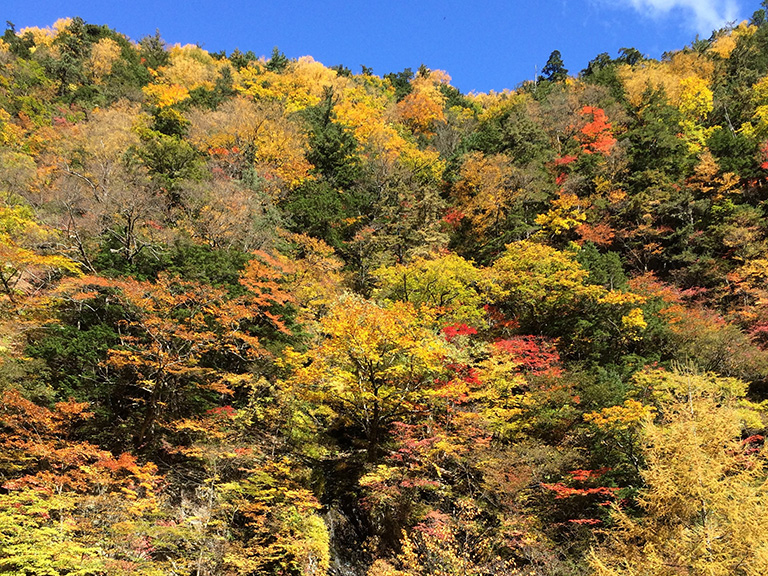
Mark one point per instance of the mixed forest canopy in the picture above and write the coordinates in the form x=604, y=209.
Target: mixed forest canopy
x=263, y=316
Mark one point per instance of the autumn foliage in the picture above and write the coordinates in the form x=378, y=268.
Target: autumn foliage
x=263, y=316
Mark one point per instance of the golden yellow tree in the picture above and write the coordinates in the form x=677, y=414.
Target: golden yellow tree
x=486, y=192
x=447, y=284
x=372, y=366
x=704, y=501
x=253, y=135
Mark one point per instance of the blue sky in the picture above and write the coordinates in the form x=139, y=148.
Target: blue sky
x=483, y=44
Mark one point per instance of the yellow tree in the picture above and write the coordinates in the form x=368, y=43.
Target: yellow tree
x=696, y=102
x=704, y=501
x=301, y=84
x=540, y=283
x=485, y=192
x=104, y=54
x=191, y=67
x=23, y=267
x=372, y=366
x=668, y=75
x=448, y=284
x=243, y=134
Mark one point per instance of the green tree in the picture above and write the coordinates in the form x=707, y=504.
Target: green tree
x=554, y=70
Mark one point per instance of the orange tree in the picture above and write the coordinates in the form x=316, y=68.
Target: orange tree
x=178, y=345
x=69, y=506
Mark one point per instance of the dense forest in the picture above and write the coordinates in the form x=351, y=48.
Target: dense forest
x=263, y=316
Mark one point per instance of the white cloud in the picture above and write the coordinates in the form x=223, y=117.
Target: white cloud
x=706, y=15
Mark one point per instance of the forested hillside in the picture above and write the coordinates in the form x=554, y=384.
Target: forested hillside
x=263, y=316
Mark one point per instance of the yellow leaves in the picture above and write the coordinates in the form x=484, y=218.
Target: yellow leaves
x=629, y=415
x=22, y=266
x=493, y=104
x=46, y=36
x=366, y=114
x=618, y=298
x=164, y=95
x=710, y=181
x=696, y=102
x=724, y=45
x=300, y=85
x=679, y=387
x=633, y=323
x=704, y=490
x=312, y=274
x=191, y=67
x=372, y=116
x=426, y=165
x=687, y=63
x=540, y=275
x=279, y=145
x=10, y=133
x=382, y=473
x=130, y=494
x=370, y=365
x=373, y=342
x=448, y=284
x=539, y=285
x=567, y=213
x=683, y=72
x=685, y=79
x=106, y=137
x=696, y=99
x=17, y=222
x=190, y=425
x=104, y=54
x=503, y=380
x=281, y=522
x=757, y=127
x=484, y=194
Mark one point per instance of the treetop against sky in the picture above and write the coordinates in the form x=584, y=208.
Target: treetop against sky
x=484, y=45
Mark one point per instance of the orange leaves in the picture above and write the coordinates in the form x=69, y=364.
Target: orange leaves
x=596, y=136
x=422, y=109
x=64, y=499
x=420, y=112
x=171, y=322
x=562, y=491
x=172, y=328
x=262, y=275
x=600, y=234
x=20, y=414
x=39, y=453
